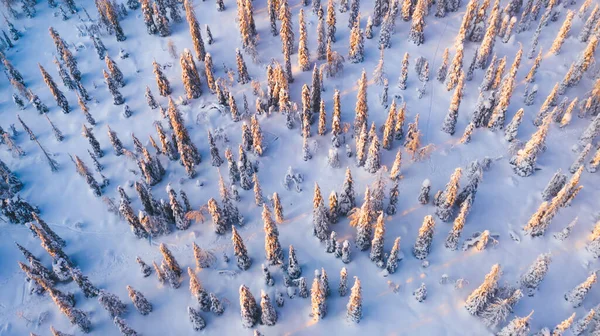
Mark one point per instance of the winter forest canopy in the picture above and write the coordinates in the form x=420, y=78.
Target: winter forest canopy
x=158, y=160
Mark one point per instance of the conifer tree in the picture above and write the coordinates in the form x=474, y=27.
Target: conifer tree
x=196, y=319
x=356, y=50
x=164, y=87
x=562, y=33
x=249, y=308
x=487, y=45
x=139, y=301
x=215, y=158
x=447, y=199
x=376, y=254
x=576, y=296
x=524, y=162
x=198, y=291
x=243, y=260
x=563, y=326
x=320, y=222
x=286, y=33
x=443, y=69
x=519, y=326
x=423, y=243
x=455, y=71
x=113, y=89
x=392, y=262
x=361, y=146
x=219, y=223
x=303, y=54
x=195, y=31
x=317, y=298
x=87, y=133
x=531, y=279
x=588, y=27
x=60, y=98
x=416, y=34
x=268, y=314
x=582, y=324
x=403, y=73
x=293, y=268
x=347, y=199
x=361, y=108
x=364, y=227
x=112, y=304
x=272, y=10
x=481, y=297
x=115, y=72
x=449, y=125
x=373, y=162
x=354, y=307
x=321, y=37
x=215, y=305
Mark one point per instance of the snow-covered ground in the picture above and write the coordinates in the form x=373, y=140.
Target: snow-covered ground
x=102, y=246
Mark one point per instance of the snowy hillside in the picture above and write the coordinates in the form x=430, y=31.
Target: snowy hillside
x=430, y=128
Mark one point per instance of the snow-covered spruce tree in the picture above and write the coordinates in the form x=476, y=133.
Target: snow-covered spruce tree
x=293, y=268
x=576, y=296
x=519, y=326
x=354, y=306
x=443, y=69
x=285, y=31
x=510, y=133
x=241, y=253
x=373, y=162
x=195, y=31
x=523, y=163
x=258, y=196
x=594, y=162
x=82, y=281
x=198, y=291
x=196, y=319
x=562, y=33
x=139, y=301
x=215, y=158
x=424, y=193
x=361, y=109
x=403, y=73
x=215, y=305
x=170, y=260
x=219, y=223
x=318, y=300
x=303, y=54
x=115, y=72
x=84, y=172
x=423, y=242
x=361, y=146
x=416, y=34
x=64, y=75
x=477, y=301
x=164, y=87
x=189, y=75
x=531, y=279
x=582, y=324
x=268, y=314
x=445, y=209
x=487, y=45
x=320, y=221
x=589, y=25
x=389, y=127
x=454, y=72
x=115, y=141
x=376, y=254
x=562, y=327
x=497, y=312
x=181, y=221
x=60, y=98
x=421, y=293
x=550, y=101
x=449, y=125
x=580, y=158
x=113, y=88
x=347, y=199
x=459, y=222
x=356, y=51
x=391, y=208
x=124, y=329
x=144, y=268
x=584, y=60
x=111, y=303
x=249, y=308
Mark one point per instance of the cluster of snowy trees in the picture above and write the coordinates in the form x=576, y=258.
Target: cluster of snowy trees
x=481, y=23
